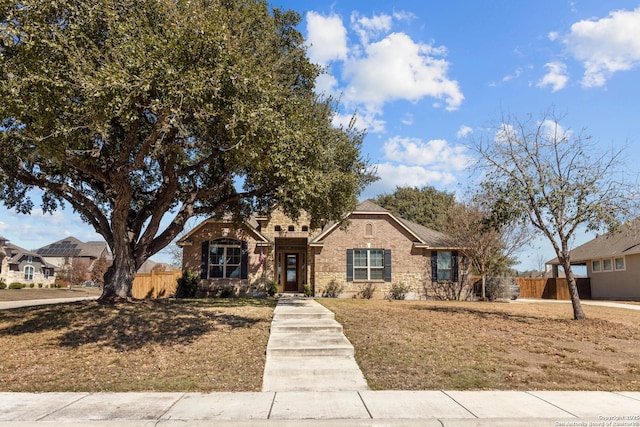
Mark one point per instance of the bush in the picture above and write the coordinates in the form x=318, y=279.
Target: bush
x=272, y=289
x=333, y=289
x=16, y=285
x=366, y=290
x=3, y=284
x=307, y=290
x=40, y=285
x=31, y=285
x=227, y=292
x=398, y=291
x=187, y=284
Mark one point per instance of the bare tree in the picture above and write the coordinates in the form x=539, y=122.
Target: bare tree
x=555, y=180
x=490, y=247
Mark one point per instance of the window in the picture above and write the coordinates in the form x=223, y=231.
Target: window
x=595, y=265
x=30, y=260
x=28, y=272
x=225, y=258
x=606, y=264
x=618, y=263
x=292, y=228
x=368, y=264
x=305, y=228
x=444, y=266
x=277, y=228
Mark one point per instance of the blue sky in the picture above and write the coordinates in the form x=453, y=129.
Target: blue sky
x=424, y=77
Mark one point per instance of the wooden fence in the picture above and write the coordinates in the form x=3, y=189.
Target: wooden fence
x=549, y=288
x=157, y=284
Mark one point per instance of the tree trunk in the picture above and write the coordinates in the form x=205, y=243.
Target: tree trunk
x=118, y=280
x=578, y=313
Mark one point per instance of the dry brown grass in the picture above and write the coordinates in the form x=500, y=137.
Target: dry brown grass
x=163, y=345
x=46, y=293
x=418, y=345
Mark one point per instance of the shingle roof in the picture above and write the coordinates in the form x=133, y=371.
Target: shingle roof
x=70, y=246
x=624, y=242
x=425, y=237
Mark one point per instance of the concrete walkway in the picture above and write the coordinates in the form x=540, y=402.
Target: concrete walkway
x=300, y=389
x=307, y=350
x=6, y=305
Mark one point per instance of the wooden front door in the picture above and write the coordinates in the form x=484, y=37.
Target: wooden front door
x=291, y=272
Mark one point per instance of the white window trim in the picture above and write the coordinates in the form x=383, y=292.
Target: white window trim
x=368, y=267
x=33, y=272
x=225, y=265
x=612, y=260
x=624, y=263
x=599, y=270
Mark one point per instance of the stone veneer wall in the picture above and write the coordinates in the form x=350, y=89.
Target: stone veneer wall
x=408, y=265
x=259, y=274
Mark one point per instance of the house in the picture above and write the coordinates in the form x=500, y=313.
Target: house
x=70, y=252
x=23, y=266
x=613, y=263
x=375, y=247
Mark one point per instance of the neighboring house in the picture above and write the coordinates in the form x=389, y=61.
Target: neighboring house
x=23, y=266
x=65, y=253
x=375, y=247
x=613, y=263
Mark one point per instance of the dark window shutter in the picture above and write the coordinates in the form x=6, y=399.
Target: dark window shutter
x=387, y=265
x=454, y=266
x=349, y=265
x=434, y=266
x=204, y=263
x=244, y=263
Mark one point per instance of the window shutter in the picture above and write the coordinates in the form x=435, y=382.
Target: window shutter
x=434, y=266
x=387, y=265
x=454, y=266
x=349, y=265
x=204, y=263
x=244, y=262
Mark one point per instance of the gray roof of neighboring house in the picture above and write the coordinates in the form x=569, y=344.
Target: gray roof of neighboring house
x=16, y=252
x=72, y=247
x=624, y=242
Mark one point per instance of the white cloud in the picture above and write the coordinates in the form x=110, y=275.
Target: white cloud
x=553, y=35
x=365, y=120
x=606, y=46
x=437, y=153
x=399, y=68
x=556, y=77
x=379, y=67
x=393, y=175
x=463, y=132
x=370, y=27
x=327, y=38
x=407, y=120
x=517, y=73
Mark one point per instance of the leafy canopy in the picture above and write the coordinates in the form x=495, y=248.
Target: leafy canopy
x=130, y=110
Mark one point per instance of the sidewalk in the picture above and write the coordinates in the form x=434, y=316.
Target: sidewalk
x=352, y=408
x=300, y=389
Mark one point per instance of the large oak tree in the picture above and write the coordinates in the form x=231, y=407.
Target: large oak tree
x=143, y=114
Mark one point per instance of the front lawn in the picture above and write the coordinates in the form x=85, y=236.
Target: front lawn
x=418, y=345
x=160, y=345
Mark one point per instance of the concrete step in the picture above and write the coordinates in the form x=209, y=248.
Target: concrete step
x=291, y=344
x=306, y=326
x=310, y=365
x=310, y=314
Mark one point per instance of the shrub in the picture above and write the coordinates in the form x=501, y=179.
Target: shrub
x=16, y=285
x=366, y=290
x=3, y=284
x=272, y=289
x=31, y=285
x=307, y=290
x=40, y=285
x=333, y=289
x=398, y=291
x=227, y=292
x=187, y=284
